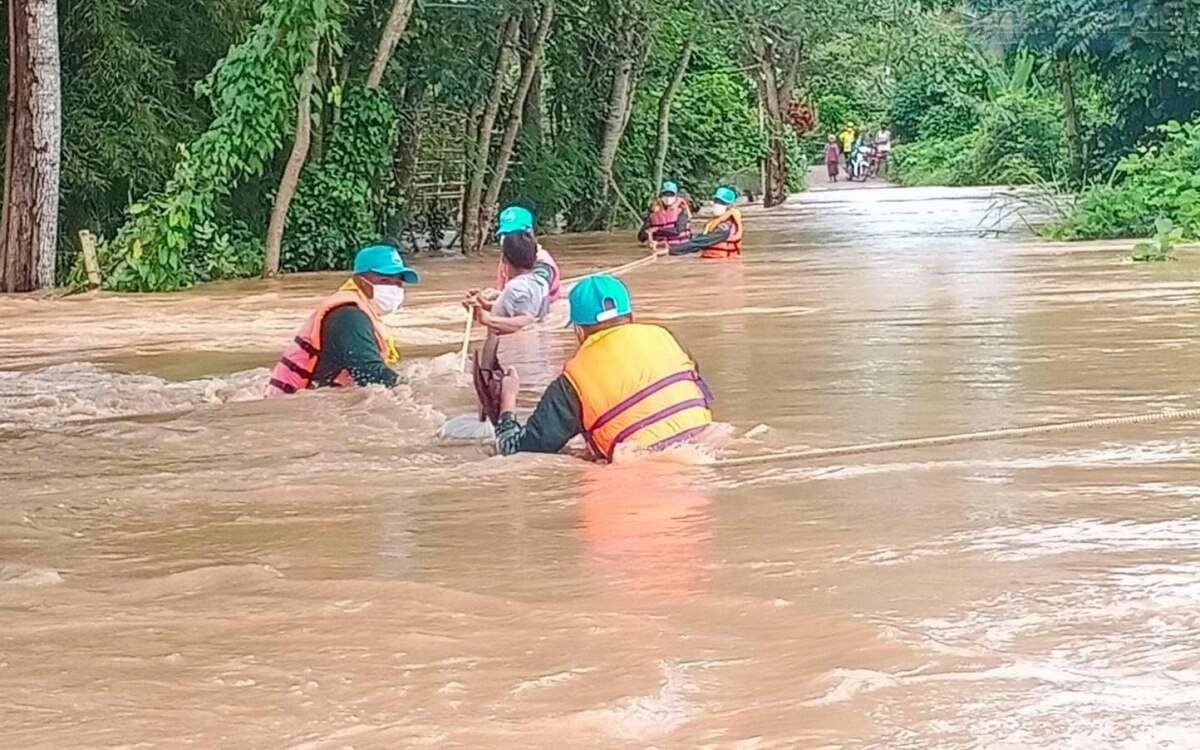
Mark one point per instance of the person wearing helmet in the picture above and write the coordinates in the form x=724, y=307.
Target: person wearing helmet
x=629, y=384
x=668, y=219
x=722, y=235
x=344, y=341
x=846, y=138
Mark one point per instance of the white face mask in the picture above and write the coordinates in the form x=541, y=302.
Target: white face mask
x=669, y=200
x=388, y=298
x=716, y=209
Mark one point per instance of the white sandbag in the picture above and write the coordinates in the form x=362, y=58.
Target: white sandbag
x=466, y=428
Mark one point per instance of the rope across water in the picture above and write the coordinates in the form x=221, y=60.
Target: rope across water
x=1007, y=433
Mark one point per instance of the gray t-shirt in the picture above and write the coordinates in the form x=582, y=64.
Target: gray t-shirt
x=527, y=294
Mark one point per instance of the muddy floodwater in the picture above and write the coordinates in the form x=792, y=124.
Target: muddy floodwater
x=184, y=564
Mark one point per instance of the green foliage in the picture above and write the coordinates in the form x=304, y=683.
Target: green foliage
x=176, y=236
x=1162, y=246
x=128, y=76
x=938, y=161
x=1157, y=181
x=834, y=111
x=340, y=197
x=1017, y=142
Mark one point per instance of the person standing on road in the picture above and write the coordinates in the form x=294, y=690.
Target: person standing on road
x=833, y=158
x=883, y=142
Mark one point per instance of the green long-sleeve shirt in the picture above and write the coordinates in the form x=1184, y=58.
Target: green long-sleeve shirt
x=557, y=418
x=699, y=242
x=348, y=343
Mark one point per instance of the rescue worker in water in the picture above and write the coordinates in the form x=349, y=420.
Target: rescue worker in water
x=668, y=219
x=344, y=341
x=629, y=383
x=722, y=235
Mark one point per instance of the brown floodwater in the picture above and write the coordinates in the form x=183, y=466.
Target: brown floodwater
x=184, y=564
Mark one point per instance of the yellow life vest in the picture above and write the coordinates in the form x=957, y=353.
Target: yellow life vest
x=636, y=383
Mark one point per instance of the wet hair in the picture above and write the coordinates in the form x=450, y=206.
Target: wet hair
x=519, y=249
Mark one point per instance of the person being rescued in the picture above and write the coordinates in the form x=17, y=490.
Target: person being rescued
x=344, y=341
x=722, y=235
x=628, y=384
x=668, y=219
x=531, y=282
x=513, y=220
x=525, y=298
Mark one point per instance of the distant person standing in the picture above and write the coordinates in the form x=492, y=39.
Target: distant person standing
x=846, y=137
x=883, y=142
x=833, y=158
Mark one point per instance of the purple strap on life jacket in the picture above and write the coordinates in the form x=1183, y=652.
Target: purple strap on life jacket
x=682, y=437
x=641, y=424
x=642, y=395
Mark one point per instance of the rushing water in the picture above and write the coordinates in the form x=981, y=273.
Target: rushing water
x=182, y=563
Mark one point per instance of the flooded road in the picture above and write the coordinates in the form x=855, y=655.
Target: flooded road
x=182, y=564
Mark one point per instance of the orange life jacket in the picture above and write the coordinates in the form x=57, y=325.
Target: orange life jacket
x=663, y=217
x=295, y=369
x=731, y=246
x=636, y=383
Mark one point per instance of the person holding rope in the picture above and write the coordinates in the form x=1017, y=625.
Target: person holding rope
x=722, y=235
x=344, y=341
x=628, y=384
x=668, y=220
x=529, y=282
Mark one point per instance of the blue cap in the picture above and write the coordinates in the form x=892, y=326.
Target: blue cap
x=598, y=298
x=726, y=195
x=669, y=188
x=515, y=219
x=386, y=261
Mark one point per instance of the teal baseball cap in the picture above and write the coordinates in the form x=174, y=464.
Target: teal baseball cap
x=669, y=188
x=726, y=195
x=515, y=219
x=598, y=298
x=384, y=260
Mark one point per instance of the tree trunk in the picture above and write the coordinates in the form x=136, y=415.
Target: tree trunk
x=472, y=234
x=775, y=162
x=291, y=173
x=664, y=114
x=531, y=122
x=392, y=31
x=614, y=125
x=513, y=126
x=1074, y=142
x=33, y=148
x=408, y=140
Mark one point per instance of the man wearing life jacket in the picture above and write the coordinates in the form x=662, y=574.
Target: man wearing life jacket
x=668, y=219
x=629, y=384
x=722, y=236
x=516, y=219
x=344, y=341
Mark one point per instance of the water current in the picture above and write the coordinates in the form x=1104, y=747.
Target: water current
x=184, y=564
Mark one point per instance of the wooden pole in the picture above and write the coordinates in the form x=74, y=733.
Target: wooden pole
x=88, y=243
